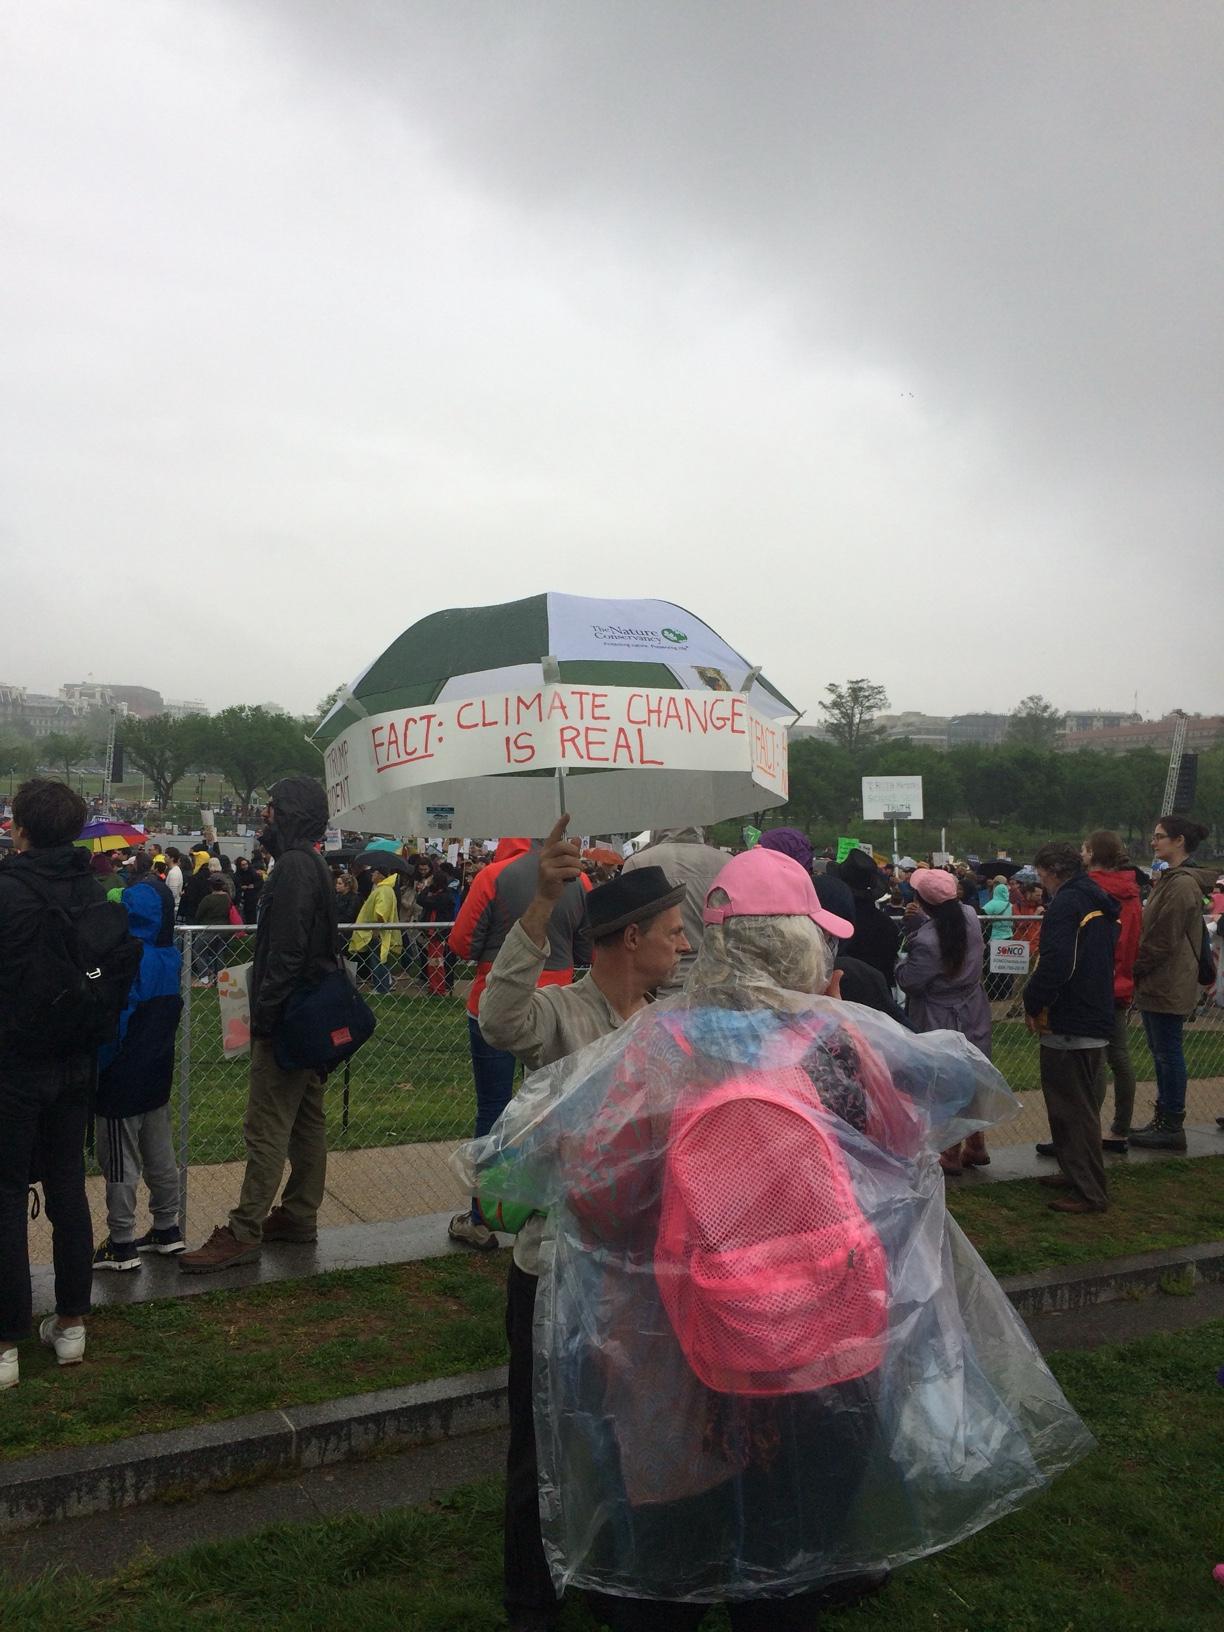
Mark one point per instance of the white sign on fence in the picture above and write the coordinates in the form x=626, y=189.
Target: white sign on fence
x=234, y=1003
x=892, y=798
x=1009, y=957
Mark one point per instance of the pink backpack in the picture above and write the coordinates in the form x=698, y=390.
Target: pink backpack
x=773, y=1280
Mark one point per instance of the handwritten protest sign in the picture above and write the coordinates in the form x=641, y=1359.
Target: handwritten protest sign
x=627, y=734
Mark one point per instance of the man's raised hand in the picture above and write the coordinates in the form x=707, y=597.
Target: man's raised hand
x=560, y=861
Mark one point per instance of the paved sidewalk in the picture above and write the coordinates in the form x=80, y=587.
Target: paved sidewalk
x=402, y=1240
x=393, y=1182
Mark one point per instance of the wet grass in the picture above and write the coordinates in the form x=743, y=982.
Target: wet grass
x=175, y=1361
x=1125, y=1542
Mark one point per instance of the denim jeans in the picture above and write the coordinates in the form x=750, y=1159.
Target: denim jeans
x=1164, y=1038
x=493, y=1073
x=44, y=1111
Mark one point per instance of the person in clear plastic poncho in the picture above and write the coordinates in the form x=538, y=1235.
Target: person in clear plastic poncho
x=769, y=1365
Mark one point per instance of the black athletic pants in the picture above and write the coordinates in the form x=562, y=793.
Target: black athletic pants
x=44, y=1114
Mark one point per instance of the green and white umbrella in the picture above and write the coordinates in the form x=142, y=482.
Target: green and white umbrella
x=467, y=721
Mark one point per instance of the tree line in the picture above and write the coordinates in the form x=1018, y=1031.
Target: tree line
x=250, y=746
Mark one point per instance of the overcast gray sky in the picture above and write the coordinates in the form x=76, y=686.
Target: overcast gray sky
x=886, y=337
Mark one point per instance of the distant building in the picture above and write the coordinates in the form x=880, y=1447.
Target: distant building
x=34, y=714
x=977, y=730
x=182, y=708
x=808, y=733
x=1202, y=731
x=142, y=701
x=923, y=730
x=1097, y=719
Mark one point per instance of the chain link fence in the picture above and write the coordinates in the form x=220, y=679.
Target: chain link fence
x=404, y=1101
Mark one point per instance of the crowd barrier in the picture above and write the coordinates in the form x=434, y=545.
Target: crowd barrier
x=397, y=1110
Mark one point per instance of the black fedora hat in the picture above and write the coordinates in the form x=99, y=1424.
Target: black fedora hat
x=631, y=899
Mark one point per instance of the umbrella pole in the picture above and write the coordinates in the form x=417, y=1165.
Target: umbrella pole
x=560, y=791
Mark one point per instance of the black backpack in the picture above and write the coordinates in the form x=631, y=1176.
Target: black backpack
x=77, y=979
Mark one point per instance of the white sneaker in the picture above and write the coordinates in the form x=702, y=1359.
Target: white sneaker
x=464, y=1228
x=8, y=1368
x=67, y=1341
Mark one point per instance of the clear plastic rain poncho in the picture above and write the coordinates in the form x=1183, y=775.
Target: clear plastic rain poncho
x=766, y=1358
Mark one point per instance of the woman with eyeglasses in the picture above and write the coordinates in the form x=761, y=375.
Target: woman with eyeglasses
x=1166, y=972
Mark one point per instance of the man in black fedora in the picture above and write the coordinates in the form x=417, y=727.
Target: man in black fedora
x=638, y=936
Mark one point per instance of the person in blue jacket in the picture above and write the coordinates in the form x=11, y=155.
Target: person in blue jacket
x=132, y=1108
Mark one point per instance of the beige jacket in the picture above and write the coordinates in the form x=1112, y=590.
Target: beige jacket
x=1166, y=965
x=538, y=1024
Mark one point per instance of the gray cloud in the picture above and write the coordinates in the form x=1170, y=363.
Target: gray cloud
x=810, y=317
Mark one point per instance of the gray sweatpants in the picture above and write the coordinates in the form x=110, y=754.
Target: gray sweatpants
x=128, y=1147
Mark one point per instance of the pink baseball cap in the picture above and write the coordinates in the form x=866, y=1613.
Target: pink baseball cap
x=766, y=884
x=934, y=885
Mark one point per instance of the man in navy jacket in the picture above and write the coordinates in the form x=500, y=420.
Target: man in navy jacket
x=1068, y=1003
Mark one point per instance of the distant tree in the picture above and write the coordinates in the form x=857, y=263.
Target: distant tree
x=325, y=705
x=162, y=748
x=1034, y=723
x=851, y=710
x=822, y=786
x=65, y=750
x=252, y=748
x=17, y=756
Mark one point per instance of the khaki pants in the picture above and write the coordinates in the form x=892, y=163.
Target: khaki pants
x=284, y=1119
x=1073, y=1086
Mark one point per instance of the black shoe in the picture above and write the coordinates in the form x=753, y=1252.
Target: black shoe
x=1115, y=1145
x=164, y=1241
x=1045, y=1148
x=1220, y=1121
x=1153, y=1125
x=116, y=1255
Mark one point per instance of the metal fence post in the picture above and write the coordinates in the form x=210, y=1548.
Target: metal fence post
x=184, y=1081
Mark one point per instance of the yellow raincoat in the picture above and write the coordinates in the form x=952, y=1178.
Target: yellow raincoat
x=379, y=907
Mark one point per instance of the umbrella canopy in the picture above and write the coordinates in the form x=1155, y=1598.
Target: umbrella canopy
x=652, y=715
x=384, y=861
x=603, y=856
x=998, y=869
x=394, y=845
x=103, y=836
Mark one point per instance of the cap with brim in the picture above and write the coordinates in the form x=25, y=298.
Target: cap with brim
x=633, y=898
x=766, y=884
x=907, y=864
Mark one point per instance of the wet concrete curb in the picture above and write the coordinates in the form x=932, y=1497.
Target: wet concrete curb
x=215, y=1456
x=172, y=1466
x=1055, y=1291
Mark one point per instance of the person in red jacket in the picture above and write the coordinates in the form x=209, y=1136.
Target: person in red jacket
x=500, y=894
x=1108, y=865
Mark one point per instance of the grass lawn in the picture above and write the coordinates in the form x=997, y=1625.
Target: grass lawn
x=413, y=1080
x=1153, y=1205
x=175, y=1361
x=171, y=1362
x=1123, y=1543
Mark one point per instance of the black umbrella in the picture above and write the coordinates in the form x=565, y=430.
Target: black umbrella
x=342, y=858
x=997, y=868
x=383, y=861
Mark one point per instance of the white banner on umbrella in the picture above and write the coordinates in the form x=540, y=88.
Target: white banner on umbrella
x=480, y=750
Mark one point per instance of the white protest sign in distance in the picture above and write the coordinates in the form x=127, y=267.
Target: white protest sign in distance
x=1009, y=957
x=892, y=798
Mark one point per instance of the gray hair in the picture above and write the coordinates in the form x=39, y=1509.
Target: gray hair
x=744, y=962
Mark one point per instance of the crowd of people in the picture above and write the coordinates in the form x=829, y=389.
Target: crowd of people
x=719, y=1388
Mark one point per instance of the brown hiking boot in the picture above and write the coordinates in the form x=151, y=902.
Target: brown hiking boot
x=222, y=1250
x=278, y=1226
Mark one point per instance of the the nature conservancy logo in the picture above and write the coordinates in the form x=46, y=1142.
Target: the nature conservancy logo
x=615, y=634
